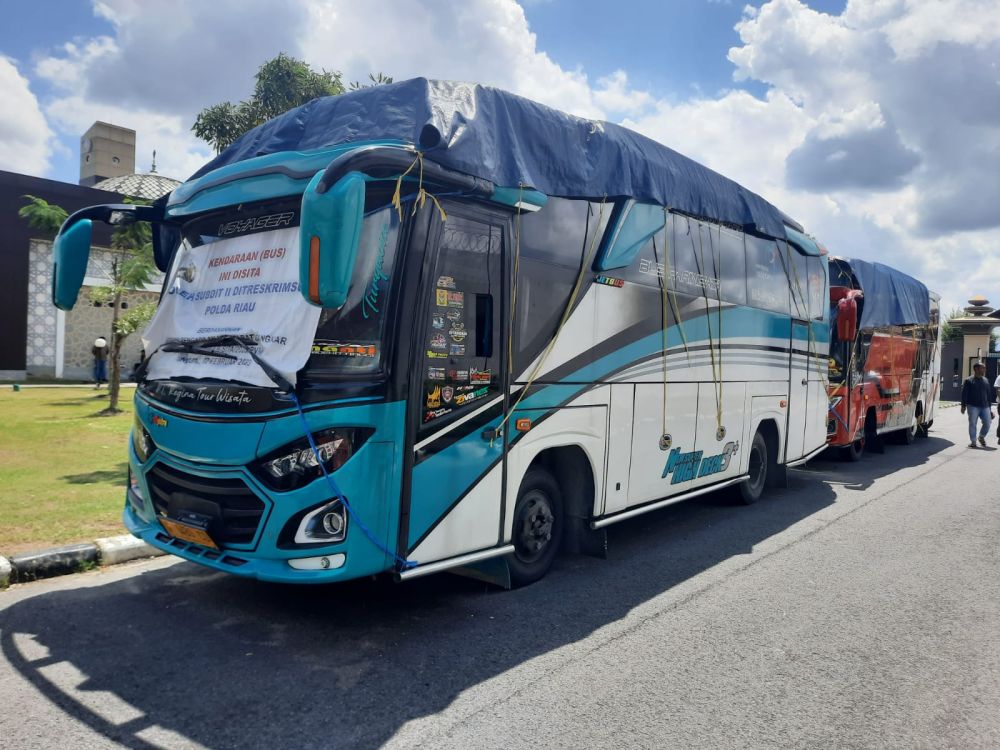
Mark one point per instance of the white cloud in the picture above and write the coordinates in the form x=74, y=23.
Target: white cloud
x=487, y=41
x=25, y=137
x=879, y=129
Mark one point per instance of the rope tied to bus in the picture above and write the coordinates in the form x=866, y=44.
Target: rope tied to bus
x=402, y=562
x=587, y=261
x=716, y=368
x=422, y=194
x=668, y=302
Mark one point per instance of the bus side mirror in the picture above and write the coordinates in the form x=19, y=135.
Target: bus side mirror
x=847, y=319
x=69, y=262
x=329, y=234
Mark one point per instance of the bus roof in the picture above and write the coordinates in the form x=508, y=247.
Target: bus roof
x=509, y=140
x=891, y=297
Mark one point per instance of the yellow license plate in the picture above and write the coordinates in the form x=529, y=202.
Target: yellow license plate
x=188, y=533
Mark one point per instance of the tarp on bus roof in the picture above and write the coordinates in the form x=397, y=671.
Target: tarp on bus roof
x=891, y=297
x=511, y=141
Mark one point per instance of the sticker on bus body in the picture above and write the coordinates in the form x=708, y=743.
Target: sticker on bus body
x=683, y=467
x=438, y=341
x=437, y=321
x=441, y=297
x=455, y=299
x=446, y=282
x=340, y=349
x=481, y=377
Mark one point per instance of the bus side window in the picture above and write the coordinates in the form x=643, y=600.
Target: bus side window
x=553, y=243
x=732, y=264
x=695, y=264
x=767, y=284
x=818, y=294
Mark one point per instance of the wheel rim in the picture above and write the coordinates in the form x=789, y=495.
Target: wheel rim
x=533, y=526
x=756, y=468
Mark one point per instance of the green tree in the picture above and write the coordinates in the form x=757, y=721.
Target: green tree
x=281, y=83
x=948, y=331
x=42, y=215
x=132, y=267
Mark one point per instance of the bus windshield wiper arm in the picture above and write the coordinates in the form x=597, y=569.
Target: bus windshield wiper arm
x=195, y=346
x=203, y=346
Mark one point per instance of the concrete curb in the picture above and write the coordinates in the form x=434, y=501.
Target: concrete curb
x=31, y=566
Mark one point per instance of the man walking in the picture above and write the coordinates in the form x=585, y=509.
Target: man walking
x=977, y=397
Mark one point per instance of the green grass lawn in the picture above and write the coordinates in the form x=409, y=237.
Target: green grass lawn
x=63, y=468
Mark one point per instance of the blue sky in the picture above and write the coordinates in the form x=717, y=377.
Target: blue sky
x=875, y=124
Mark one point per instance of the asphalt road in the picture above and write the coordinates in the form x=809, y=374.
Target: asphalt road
x=858, y=608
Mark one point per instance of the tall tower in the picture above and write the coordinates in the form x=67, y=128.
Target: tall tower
x=106, y=151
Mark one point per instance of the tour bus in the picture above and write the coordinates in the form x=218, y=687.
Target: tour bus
x=435, y=326
x=885, y=357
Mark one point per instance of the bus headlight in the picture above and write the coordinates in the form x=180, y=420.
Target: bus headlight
x=141, y=440
x=297, y=464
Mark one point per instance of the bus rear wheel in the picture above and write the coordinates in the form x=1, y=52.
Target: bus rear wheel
x=538, y=528
x=753, y=487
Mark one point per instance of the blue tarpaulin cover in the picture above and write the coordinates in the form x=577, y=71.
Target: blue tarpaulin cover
x=892, y=298
x=511, y=141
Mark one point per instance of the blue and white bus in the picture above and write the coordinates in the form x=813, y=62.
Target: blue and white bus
x=435, y=326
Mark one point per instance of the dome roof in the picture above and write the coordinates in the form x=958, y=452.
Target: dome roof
x=148, y=185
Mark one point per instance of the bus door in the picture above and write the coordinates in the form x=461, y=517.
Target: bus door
x=457, y=488
x=798, y=390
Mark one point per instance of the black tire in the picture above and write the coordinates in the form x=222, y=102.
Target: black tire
x=854, y=451
x=538, y=528
x=759, y=461
x=873, y=441
x=907, y=436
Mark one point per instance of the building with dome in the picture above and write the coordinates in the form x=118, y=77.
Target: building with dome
x=37, y=340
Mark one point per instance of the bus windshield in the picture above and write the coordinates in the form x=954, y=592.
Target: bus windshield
x=242, y=294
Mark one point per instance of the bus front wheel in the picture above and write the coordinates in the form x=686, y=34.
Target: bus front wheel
x=538, y=528
x=854, y=451
x=753, y=487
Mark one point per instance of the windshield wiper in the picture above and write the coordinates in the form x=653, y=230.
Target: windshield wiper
x=204, y=347
x=194, y=347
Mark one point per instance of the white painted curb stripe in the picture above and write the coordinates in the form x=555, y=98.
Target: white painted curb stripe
x=118, y=549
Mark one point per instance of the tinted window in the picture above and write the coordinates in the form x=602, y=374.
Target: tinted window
x=818, y=294
x=732, y=264
x=696, y=265
x=553, y=243
x=461, y=342
x=561, y=230
x=349, y=340
x=767, y=285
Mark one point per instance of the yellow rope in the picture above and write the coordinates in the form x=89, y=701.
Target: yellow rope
x=716, y=374
x=422, y=195
x=664, y=311
x=555, y=336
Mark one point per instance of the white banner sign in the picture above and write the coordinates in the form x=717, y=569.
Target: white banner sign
x=244, y=286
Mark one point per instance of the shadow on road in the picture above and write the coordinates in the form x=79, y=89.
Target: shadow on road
x=229, y=662
x=861, y=475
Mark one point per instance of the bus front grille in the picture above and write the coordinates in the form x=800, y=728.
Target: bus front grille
x=231, y=509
